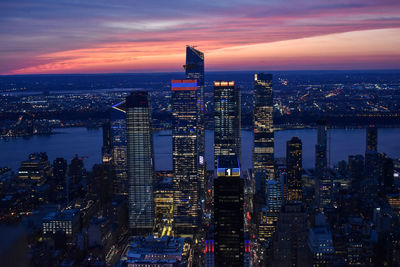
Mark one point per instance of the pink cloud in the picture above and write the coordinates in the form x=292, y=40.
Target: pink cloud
x=111, y=38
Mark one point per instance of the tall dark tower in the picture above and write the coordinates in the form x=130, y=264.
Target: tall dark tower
x=321, y=149
x=372, y=138
x=60, y=167
x=140, y=162
x=185, y=156
x=372, y=157
x=106, y=149
x=194, y=69
x=294, y=169
x=263, y=151
x=387, y=174
x=228, y=213
x=323, y=182
x=226, y=120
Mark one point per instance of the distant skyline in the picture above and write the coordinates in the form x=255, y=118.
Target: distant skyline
x=98, y=36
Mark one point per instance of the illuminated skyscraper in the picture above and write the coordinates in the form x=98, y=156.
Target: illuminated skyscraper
x=294, y=169
x=140, y=162
x=228, y=213
x=119, y=148
x=185, y=155
x=263, y=151
x=194, y=69
x=226, y=120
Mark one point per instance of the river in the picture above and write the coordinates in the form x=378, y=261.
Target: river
x=87, y=143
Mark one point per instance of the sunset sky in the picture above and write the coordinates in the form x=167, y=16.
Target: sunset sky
x=109, y=36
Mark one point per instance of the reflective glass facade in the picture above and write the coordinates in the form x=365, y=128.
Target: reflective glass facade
x=194, y=69
x=140, y=162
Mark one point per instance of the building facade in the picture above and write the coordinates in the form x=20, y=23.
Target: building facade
x=294, y=169
x=228, y=213
x=185, y=156
x=66, y=221
x=194, y=69
x=140, y=162
x=372, y=138
x=119, y=148
x=263, y=151
x=270, y=214
x=323, y=182
x=226, y=120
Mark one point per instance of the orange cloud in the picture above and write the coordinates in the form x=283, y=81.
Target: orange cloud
x=358, y=49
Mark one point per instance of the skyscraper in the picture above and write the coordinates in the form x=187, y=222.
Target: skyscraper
x=60, y=167
x=372, y=156
x=372, y=138
x=76, y=174
x=106, y=149
x=323, y=182
x=185, y=155
x=194, y=69
x=140, y=162
x=356, y=170
x=263, y=151
x=321, y=149
x=294, y=169
x=119, y=148
x=226, y=120
x=228, y=213
x=271, y=213
x=289, y=242
x=100, y=183
x=387, y=178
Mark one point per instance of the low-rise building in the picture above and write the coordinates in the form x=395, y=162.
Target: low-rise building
x=150, y=251
x=66, y=221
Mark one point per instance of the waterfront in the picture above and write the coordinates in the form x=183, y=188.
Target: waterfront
x=87, y=143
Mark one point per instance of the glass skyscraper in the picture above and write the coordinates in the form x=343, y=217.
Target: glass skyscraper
x=226, y=120
x=228, y=213
x=274, y=204
x=140, y=162
x=185, y=156
x=263, y=151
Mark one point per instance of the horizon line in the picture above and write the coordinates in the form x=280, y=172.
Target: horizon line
x=211, y=71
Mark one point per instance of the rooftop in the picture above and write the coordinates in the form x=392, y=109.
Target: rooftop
x=154, y=250
x=61, y=216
